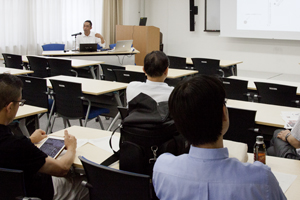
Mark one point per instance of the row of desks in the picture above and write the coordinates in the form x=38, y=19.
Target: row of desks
x=99, y=154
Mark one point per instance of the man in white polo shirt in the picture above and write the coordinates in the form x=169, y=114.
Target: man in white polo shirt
x=88, y=36
x=156, y=66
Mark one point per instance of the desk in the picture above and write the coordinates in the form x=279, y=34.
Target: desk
x=251, y=85
x=77, y=64
x=88, y=150
x=99, y=55
x=223, y=63
x=287, y=166
x=95, y=87
x=266, y=114
x=26, y=111
x=172, y=73
x=14, y=71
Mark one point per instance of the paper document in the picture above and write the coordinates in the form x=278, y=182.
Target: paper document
x=103, y=143
x=290, y=118
x=285, y=180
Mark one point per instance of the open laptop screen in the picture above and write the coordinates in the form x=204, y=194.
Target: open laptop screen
x=88, y=47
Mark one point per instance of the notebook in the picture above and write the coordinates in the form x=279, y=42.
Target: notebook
x=88, y=47
x=123, y=45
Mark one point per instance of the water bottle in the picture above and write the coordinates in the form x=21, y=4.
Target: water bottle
x=259, y=150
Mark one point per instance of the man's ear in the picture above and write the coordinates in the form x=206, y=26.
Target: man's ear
x=144, y=70
x=166, y=71
x=225, y=120
x=9, y=107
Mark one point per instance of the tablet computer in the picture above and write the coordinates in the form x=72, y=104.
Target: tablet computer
x=53, y=146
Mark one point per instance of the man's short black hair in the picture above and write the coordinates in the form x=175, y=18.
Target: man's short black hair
x=155, y=63
x=89, y=21
x=10, y=87
x=196, y=105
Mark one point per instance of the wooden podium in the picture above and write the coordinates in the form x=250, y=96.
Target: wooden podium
x=145, y=39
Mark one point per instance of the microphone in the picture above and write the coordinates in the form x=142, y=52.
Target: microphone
x=75, y=34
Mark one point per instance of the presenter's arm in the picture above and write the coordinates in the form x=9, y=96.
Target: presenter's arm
x=62, y=166
x=98, y=35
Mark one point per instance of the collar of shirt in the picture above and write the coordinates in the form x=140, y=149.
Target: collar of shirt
x=208, y=154
x=90, y=35
x=155, y=83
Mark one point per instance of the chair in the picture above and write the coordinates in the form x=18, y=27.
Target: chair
x=61, y=67
x=13, y=61
x=241, y=129
x=108, y=73
x=39, y=65
x=276, y=94
x=107, y=183
x=236, y=89
x=36, y=93
x=207, y=66
x=128, y=76
x=53, y=47
x=12, y=185
x=111, y=46
x=177, y=62
x=69, y=103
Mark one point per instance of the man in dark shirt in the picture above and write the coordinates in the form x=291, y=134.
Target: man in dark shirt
x=21, y=153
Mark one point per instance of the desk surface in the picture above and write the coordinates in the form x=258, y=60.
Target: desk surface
x=14, y=71
x=91, y=86
x=76, y=63
x=88, y=150
x=172, y=73
x=252, y=86
x=266, y=114
x=223, y=63
x=77, y=53
x=287, y=166
x=27, y=110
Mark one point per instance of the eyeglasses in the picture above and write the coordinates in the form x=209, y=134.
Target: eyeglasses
x=21, y=102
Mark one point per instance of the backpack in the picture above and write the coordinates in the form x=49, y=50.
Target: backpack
x=147, y=132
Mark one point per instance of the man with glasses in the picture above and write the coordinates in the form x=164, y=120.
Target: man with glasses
x=198, y=108
x=19, y=152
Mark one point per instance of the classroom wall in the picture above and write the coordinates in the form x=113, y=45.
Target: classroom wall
x=172, y=17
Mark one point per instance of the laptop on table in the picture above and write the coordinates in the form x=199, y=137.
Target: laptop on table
x=123, y=46
x=87, y=47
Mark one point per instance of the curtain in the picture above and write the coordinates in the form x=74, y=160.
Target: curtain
x=28, y=24
x=112, y=16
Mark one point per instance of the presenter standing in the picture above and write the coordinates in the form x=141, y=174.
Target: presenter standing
x=88, y=36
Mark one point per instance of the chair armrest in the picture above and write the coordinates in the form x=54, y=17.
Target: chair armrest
x=76, y=73
x=86, y=184
x=223, y=74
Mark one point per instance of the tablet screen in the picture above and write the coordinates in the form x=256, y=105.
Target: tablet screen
x=53, y=146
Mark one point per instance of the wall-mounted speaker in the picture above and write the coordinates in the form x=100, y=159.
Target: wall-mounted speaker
x=193, y=12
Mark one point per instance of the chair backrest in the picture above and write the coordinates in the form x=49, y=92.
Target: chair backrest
x=242, y=123
x=12, y=184
x=108, y=183
x=177, y=62
x=108, y=73
x=53, y=47
x=13, y=61
x=35, y=91
x=206, y=66
x=236, y=89
x=60, y=67
x=39, y=65
x=67, y=99
x=276, y=94
x=128, y=76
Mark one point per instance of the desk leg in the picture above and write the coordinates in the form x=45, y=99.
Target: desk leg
x=233, y=70
x=118, y=116
x=23, y=128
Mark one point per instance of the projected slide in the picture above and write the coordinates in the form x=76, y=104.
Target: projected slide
x=268, y=15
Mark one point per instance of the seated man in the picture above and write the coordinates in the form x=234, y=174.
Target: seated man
x=88, y=36
x=206, y=172
x=21, y=153
x=156, y=65
x=285, y=142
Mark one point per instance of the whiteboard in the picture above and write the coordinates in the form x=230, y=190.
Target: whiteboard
x=212, y=15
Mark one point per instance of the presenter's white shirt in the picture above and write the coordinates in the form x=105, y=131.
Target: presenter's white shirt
x=88, y=39
x=159, y=91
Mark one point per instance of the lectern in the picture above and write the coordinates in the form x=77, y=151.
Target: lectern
x=145, y=39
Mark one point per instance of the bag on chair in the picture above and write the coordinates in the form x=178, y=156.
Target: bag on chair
x=147, y=132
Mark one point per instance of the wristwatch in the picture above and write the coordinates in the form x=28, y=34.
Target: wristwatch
x=287, y=135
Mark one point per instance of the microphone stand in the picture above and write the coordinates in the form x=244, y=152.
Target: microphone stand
x=75, y=43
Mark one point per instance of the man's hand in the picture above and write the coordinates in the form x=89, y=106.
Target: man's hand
x=37, y=136
x=70, y=141
x=281, y=135
x=98, y=35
